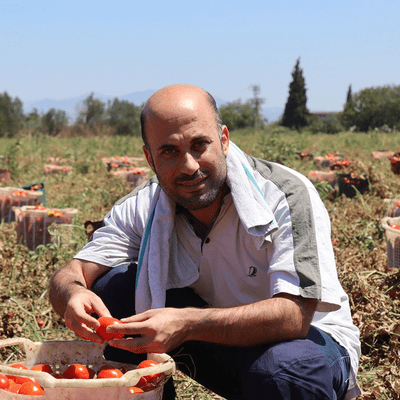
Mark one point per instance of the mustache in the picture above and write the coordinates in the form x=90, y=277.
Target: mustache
x=189, y=178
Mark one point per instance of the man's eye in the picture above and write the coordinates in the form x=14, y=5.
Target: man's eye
x=201, y=144
x=168, y=152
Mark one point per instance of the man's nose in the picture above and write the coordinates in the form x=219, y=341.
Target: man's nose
x=189, y=164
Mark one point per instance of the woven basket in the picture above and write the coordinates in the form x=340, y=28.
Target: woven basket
x=392, y=241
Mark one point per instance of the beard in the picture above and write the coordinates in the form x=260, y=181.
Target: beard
x=202, y=200
x=214, y=179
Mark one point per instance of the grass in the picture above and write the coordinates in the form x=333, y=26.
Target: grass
x=360, y=248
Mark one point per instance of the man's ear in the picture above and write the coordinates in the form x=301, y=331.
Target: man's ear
x=225, y=139
x=148, y=158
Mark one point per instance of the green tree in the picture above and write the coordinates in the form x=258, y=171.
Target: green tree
x=11, y=115
x=296, y=112
x=124, y=116
x=32, y=120
x=93, y=111
x=374, y=107
x=348, y=115
x=257, y=101
x=53, y=121
x=238, y=115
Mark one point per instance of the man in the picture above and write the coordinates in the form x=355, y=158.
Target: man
x=234, y=265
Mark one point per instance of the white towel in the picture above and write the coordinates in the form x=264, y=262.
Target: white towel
x=164, y=264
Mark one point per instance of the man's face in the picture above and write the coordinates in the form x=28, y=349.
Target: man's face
x=188, y=156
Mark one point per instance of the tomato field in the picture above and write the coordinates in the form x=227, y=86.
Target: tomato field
x=91, y=188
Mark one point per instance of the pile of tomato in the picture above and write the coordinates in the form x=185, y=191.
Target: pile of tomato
x=395, y=226
x=30, y=386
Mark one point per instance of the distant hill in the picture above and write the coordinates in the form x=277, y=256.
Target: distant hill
x=72, y=105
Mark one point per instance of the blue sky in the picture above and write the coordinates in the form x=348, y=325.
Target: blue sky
x=62, y=50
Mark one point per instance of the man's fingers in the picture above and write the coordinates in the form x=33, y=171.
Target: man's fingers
x=135, y=345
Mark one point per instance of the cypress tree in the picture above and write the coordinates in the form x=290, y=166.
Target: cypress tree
x=296, y=112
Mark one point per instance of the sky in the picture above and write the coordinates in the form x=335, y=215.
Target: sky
x=63, y=50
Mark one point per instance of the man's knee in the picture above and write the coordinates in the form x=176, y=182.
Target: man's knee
x=288, y=370
x=117, y=290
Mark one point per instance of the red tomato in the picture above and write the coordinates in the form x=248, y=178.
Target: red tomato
x=109, y=372
x=18, y=366
x=31, y=388
x=14, y=388
x=101, y=330
x=57, y=375
x=147, y=379
x=92, y=373
x=42, y=367
x=135, y=389
x=76, y=371
x=4, y=382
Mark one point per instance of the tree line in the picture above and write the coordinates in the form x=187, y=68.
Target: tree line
x=368, y=109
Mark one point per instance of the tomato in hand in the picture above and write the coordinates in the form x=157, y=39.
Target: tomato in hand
x=76, y=371
x=108, y=372
x=4, y=382
x=43, y=368
x=135, y=389
x=107, y=321
x=30, y=388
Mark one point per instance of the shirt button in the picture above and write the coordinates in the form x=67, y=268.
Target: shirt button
x=207, y=240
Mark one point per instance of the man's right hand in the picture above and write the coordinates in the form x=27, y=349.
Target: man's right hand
x=79, y=317
x=71, y=297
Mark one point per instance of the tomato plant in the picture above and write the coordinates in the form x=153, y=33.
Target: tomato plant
x=30, y=388
x=107, y=321
x=109, y=372
x=76, y=371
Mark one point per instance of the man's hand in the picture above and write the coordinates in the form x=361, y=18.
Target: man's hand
x=71, y=297
x=78, y=316
x=283, y=317
x=160, y=330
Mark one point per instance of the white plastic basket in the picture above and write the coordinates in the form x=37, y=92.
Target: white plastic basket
x=60, y=354
x=393, y=207
x=134, y=175
x=32, y=223
x=392, y=241
x=16, y=197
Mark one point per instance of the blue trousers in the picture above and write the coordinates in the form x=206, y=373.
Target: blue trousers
x=316, y=367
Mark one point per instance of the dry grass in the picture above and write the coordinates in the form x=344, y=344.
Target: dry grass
x=360, y=240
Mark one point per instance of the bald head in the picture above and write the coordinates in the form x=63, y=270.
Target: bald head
x=176, y=101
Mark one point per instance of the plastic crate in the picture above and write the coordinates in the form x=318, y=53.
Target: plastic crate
x=16, y=197
x=5, y=174
x=60, y=354
x=349, y=182
x=382, y=154
x=393, y=207
x=395, y=163
x=317, y=176
x=135, y=176
x=56, y=169
x=392, y=241
x=33, y=223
